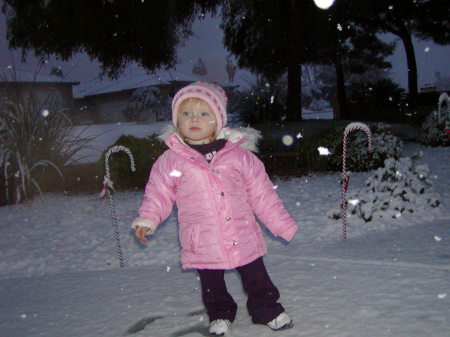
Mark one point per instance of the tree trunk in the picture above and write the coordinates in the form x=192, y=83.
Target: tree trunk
x=342, y=112
x=294, y=106
x=412, y=66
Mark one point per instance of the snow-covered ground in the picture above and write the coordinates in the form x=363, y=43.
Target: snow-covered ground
x=60, y=276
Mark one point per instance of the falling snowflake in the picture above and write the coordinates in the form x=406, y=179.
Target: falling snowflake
x=427, y=49
x=437, y=238
x=45, y=112
x=398, y=214
x=442, y=296
x=275, y=187
x=271, y=99
x=299, y=135
x=353, y=202
x=339, y=27
x=323, y=151
x=168, y=269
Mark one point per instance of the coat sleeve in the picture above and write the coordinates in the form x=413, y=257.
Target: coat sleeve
x=264, y=200
x=159, y=192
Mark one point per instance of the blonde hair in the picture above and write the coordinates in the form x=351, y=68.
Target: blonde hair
x=193, y=100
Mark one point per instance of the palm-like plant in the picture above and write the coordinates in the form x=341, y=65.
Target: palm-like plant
x=34, y=135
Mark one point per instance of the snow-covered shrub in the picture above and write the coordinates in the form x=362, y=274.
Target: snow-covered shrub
x=385, y=145
x=436, y=123
x=36, y=141
x=145, y=152
x=400, y=186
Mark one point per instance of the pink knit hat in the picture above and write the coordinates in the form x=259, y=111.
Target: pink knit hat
x=212, y=94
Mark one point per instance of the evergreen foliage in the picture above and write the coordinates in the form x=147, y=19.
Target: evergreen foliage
x=116, y=33
x=145, y=152
x=36, y=141
x=385, y=145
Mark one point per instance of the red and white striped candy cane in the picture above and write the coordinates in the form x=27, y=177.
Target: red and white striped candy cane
x=107, y=185
x=346, y=175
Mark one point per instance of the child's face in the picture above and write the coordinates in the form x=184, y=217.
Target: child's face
x=196, y=121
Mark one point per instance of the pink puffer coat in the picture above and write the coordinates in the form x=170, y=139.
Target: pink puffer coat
x=216, y=204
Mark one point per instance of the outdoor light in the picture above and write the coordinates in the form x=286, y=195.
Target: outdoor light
x=324, y=4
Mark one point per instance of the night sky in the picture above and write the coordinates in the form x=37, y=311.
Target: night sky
x=207, y=44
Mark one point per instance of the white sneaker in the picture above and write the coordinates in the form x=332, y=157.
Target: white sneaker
x=220, y=327
x=283, y=321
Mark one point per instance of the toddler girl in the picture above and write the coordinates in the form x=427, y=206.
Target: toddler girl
x=218, y=185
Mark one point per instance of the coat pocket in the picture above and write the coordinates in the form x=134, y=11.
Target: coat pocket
x=188, y=238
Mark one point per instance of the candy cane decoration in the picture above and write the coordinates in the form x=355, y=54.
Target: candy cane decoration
x=346, y=175
x=107, y=186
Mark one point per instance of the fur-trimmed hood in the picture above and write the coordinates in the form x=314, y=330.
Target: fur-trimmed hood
x=251, y=136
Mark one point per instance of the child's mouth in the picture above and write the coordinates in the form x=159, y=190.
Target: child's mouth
x=194, y=128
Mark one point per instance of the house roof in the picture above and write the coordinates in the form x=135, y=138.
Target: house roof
x=132, y=80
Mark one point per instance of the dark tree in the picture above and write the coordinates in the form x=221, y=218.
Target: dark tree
x=272, y=37
x=425, y=19
x=114, y=32
x=352, y=48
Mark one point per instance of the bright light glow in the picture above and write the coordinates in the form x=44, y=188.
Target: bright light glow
x=287, y=140
x=353, y=202
x=323, y=151
x=324, y=4
x=45, y=112
x=175, y=173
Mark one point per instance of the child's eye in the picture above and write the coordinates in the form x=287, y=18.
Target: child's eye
x=186, y=113
x=204, y=114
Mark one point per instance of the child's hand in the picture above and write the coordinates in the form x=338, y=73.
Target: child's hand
x=140, y=233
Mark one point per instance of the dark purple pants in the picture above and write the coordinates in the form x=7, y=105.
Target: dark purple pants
x=262, y=294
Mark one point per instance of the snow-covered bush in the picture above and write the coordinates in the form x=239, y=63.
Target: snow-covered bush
x=436, y=123
x=400, y=186
x=385, y=145
x=36, y=141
